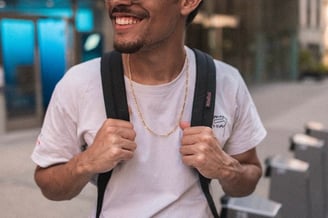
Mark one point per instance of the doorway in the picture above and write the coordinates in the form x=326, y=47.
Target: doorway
x=34, y=53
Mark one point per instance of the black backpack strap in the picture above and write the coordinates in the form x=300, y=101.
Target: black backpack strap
x=115, y=100
x=203, y=108
x=114, y=86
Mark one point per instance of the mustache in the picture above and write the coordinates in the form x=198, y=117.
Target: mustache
x=121, y=9
x=128, y=10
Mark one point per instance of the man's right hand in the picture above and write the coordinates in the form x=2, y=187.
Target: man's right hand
x=113, y=143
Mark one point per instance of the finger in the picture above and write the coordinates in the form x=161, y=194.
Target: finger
x=118, y=154
x=196, y=149
x=187, y=150
x=119, y=127
x=126, y=155
x=193, y=138
x=187, y=160
x=190, y=160
x=196, y=161
x=128, y=134
x=129, y=145
x=118, y=123
x=184, y=125
x=196, y=130
x=189, y=140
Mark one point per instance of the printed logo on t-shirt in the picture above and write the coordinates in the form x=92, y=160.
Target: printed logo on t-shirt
x=219, y=121
x=38, y=140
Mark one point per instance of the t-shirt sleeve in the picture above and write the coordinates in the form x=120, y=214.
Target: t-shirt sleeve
x=247, y=130
x=58, y=141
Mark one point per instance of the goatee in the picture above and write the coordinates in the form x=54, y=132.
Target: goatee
x=127, y=47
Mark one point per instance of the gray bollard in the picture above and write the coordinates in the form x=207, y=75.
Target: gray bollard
x=318, y=130
x=289, y=185
x=251, y=206
x=311, y=150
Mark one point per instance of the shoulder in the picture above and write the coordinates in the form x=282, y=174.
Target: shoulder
x=79, y=82
x=227, y=74
x=228, y=78
x=229, y=82
x=83, y=73
x=81, y=77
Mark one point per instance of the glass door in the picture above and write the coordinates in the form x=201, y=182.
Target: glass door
x=35, y=53
x=20, y=58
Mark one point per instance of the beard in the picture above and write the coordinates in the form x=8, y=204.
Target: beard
x=128, y=47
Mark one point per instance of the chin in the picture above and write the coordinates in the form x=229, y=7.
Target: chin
x=127, y=47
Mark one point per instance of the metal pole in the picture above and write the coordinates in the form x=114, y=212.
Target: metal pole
x=75, y=33
x=214, y=36
x=37, y=73
x=3, y=120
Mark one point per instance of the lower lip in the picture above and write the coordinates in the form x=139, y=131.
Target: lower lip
x=118, y=26
x=124, y=27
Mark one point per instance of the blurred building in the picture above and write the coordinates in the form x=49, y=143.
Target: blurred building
x=39, y=41
x=228, y=29
x=269, y=38
x=295, y=33
x=325, y=36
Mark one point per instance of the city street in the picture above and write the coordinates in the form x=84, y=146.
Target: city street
x=285, y=108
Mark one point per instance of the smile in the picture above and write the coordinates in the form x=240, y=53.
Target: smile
x=126, y=20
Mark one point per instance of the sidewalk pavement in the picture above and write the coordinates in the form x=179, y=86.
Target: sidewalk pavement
x=20, y=197
x=284, y=108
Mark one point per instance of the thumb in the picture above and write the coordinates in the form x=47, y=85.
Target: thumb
x=184, y=124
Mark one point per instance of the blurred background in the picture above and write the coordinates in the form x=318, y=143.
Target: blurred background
x=279, y=46
x=268, y=40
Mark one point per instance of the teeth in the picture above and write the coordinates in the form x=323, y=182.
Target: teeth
x=125, y=20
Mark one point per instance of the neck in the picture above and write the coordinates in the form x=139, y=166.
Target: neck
x=152, y=68
x=179, y=116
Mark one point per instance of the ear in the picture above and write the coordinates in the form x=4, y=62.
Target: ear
x=187, y=6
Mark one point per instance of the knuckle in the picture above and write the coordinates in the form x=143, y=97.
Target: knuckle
x=110, y=129
x=114, y=139
x=203, y=148
x=206, y=138
x=201, y=159
x=115, y=153
x=133, y=134
x=207, y=130
x=107, y=123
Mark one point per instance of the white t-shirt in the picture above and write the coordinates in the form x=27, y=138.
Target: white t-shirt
x=155, y=182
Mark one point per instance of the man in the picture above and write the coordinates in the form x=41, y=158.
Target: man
x=154, y=156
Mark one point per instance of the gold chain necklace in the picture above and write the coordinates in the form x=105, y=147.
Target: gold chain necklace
x=138, y=108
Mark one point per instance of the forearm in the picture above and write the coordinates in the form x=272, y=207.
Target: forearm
x=241, y=180
x=63, y=181
x=113, y=143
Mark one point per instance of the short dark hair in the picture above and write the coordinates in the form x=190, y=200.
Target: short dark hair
x=193, y=14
